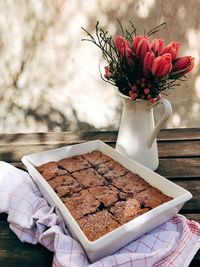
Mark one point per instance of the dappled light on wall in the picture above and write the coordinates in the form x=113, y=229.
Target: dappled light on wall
x=50, y=79
x=193, y=38
x=197, y=87
x=176, y=120
x=143, y=7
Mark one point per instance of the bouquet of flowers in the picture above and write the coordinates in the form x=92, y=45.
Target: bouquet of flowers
x=141, y=68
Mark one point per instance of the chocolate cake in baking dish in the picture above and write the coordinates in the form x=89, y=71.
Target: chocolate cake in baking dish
x=100, y=193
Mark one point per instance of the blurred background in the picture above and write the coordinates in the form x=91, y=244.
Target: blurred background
x=49, y=79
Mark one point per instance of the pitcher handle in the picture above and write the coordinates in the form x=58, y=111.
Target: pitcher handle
x=167, y=113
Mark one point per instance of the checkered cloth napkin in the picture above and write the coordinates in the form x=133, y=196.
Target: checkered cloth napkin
x=173, y=243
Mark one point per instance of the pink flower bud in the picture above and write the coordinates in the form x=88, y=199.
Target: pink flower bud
x=141, y=46
x=151, y=100
x=157, y=46
x=134, y=88
x=132, y=95
x=171, y=48
x=146, y=91
x=143, y=96
x=182, y=65
x=148, y=96
x=147, y=63
x=162, y=65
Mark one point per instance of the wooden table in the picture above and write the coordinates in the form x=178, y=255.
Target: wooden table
x=179, y=152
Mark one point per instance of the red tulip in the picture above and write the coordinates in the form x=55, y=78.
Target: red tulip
x=182, y=65
x=124, y=49
x=141, y=46
x=157, y=46
x=171, y=48
x=147, y=63
x=122, y=46
x=162, y=65
x=136, y=40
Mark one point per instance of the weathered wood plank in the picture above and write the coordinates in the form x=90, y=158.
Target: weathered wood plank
x=76, y=136
x=179, y=168
x=192, y=206
x=14, y=146
x=179, y=134
x=193, y=186
x=56, y=138
x=15, y=153
x=15, y=253
x=196, y=260
x=167, y=149
x=194, y=217
x=179, y=148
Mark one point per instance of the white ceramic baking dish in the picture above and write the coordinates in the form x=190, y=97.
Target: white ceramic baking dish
x=121, y=236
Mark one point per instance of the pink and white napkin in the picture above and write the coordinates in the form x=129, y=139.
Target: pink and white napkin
x=173, y=243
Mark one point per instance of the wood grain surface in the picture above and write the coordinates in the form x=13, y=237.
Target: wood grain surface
x=179, y=152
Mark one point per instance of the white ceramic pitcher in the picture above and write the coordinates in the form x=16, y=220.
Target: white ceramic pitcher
x=137, y=132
